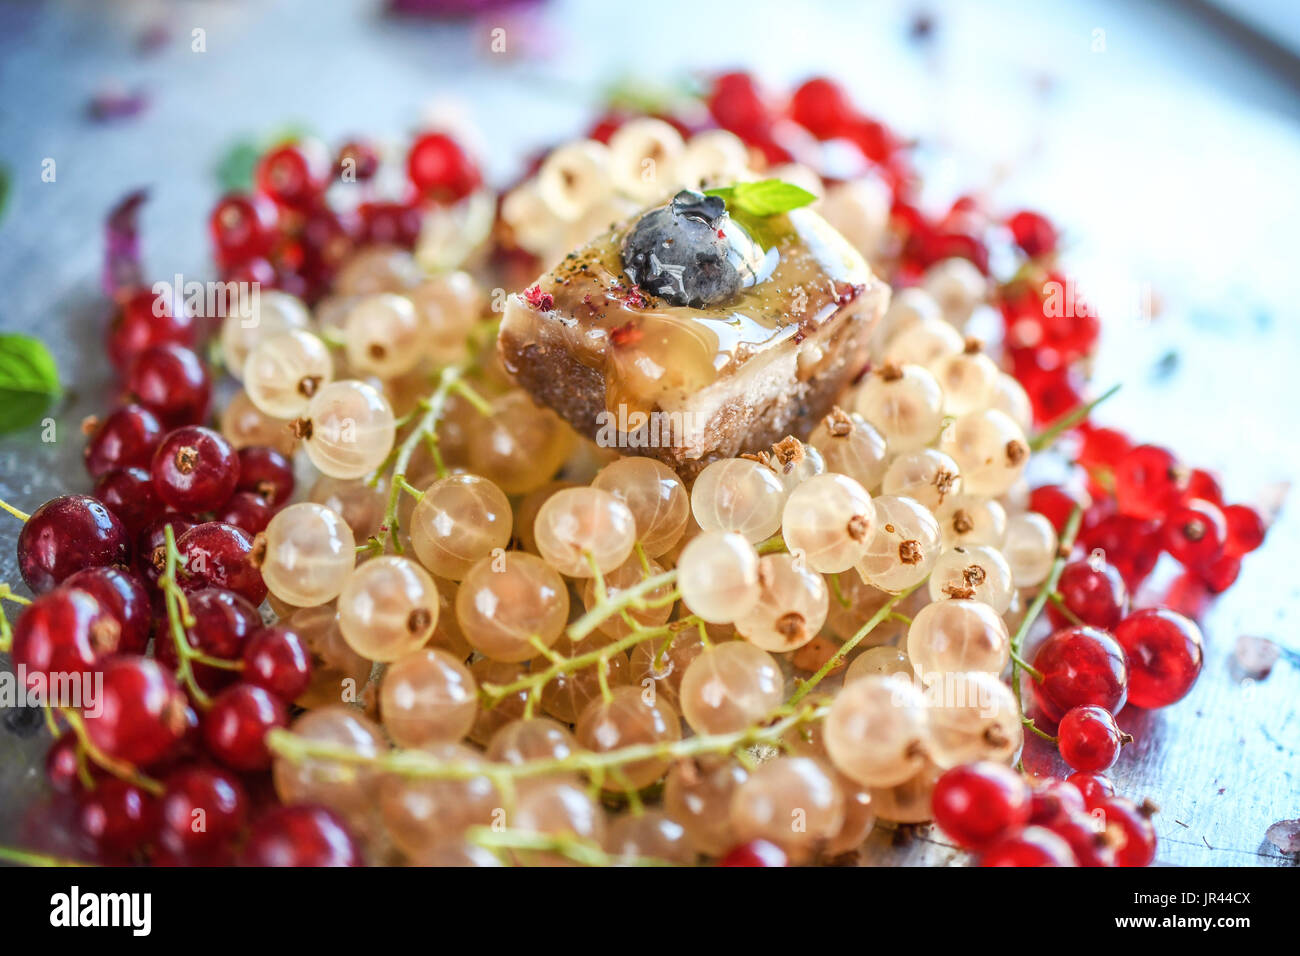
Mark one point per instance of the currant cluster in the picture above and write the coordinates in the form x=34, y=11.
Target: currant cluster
x=389, y=603
x=310, y=211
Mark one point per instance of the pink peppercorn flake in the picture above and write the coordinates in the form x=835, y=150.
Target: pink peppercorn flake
x=539, y=299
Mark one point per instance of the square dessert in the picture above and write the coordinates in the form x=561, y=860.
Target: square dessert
x=687, y=337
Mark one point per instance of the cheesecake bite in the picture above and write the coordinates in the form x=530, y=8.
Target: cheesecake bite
x=687, y=336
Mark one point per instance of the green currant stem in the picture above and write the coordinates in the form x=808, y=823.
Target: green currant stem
x=1027, y=667
x=631, y=598
x=566, y=845
x=1036, y=606
x=1048, y=435
x=1033, y=728
x=1058, y=602
x=6, y=632
x=178, y=618
x=118, y=768
x=838, y=591
x=22, y=516
x=30, y=858
x=422, y=765
x=847, y=647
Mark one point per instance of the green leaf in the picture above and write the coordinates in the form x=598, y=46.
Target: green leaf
x=29, y=381
x=767, y=197
x=237, y=165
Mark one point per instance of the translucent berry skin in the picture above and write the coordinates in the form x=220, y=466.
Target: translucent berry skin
x=293, y=174
x=171, y=382
x=219, y=555
x=1032, y=846
x=755, y=853
x=1033, y=233
x=1245, y=530
x=121, y=595
x=125, y=439
x=301, y=835
x=129, y=493
x=195, y=469
x=223, y=624
x=276, y=659
x=118, y=816
x=266, y=473
x=143, y=321
x=64, y=631
x=1089, y=739
x=440, y=169
x=1090, y=844
x=1194, y=533
x=143, y=713
x=1052, y=799
x=207, y=795
x=1148, y=482
x=1080, y=665
x=1094, y=787
x=1093, y=591
x=242, y=227
x=66, y=535
x=62, y=765
x=1138, y=844
x=1165, y=654
x=980, y=803
x=150, y=542
x=235, y=727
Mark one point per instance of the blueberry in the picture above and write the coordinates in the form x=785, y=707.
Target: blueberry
x=690, y=252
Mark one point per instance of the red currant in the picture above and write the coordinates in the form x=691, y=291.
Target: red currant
x=276, y=659
x=1201, y=484
x=267, y=473
x=1095, y=787
x=294, y=174
x=1033, y=233
x=301, y=835
x=980, y=803
x=1148, y=482
x=1245, y=530
x=1087, y=836
x=121, y=596
x=1165, y=655
x=66, y=535
x=1220, y=573
x=1032, y=846
x=1093, y=592
x=1194, y=533
x=143, y=321
x=195, y=469
x=151, y=555
x=119, y=816
x=1089, y=738
x=63, y=764
x=171, y=382
x=1052, y=798
x=243, y=227
x=235, y=727
x=737, y=104
x=142, y=714
x=821, y=106
x=62, y=632
x=247, y=511
x=125, y=439
x=357, y=161
x=201, y=809
x=223, y=623
x=1137, y=837
x=755, y=853
x=220, y=555
x=439, y=168
x=130, y=494
x=1080, y=665
x=390, y=223
x=1130, y=544
x=1102, y=448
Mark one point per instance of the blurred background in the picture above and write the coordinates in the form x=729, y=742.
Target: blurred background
x=1162, y=137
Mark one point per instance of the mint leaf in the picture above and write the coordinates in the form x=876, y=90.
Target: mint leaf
x=29, y=381
x=767, y=197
